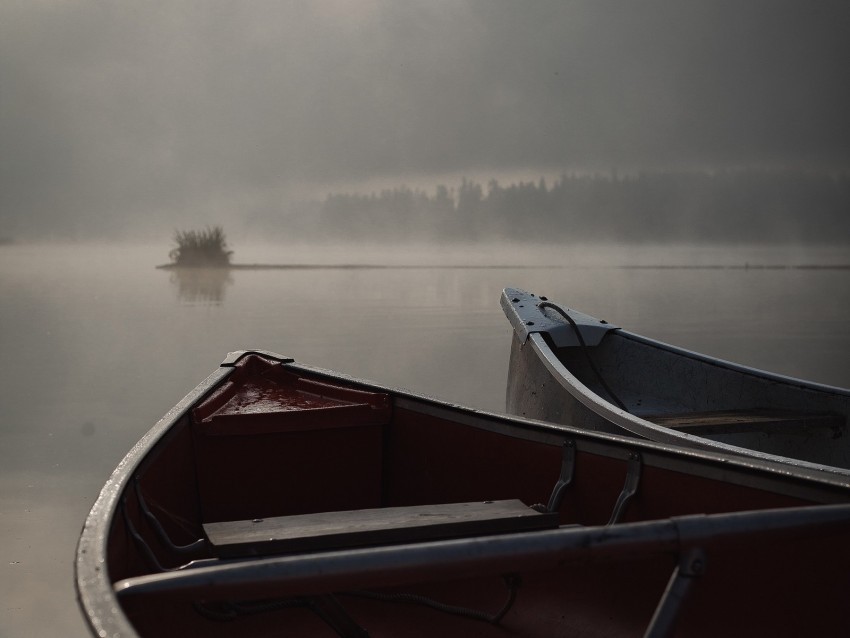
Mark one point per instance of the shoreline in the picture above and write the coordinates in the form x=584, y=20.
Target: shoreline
x=504, y=267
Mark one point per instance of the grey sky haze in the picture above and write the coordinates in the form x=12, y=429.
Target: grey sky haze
x=111, y=113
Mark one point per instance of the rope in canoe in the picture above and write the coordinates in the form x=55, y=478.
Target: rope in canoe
x=584, y=349
x=512, y=582
x=227, y=611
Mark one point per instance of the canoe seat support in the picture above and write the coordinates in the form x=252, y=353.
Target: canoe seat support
x=691, y=566
x=745, y=421
x=568, y=464
x=629, y=488
x=361, y=528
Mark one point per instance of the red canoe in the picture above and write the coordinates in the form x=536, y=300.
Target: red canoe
x=279, y=499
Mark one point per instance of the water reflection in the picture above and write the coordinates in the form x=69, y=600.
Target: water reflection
x=201, y=285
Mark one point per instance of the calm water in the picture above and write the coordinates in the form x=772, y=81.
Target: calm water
x=98, y=345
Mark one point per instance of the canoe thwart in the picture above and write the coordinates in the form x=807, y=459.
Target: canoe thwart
x=358, y=528
x=757, y=420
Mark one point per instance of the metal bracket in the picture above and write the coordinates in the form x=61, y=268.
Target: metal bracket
x=568, y=463
x=691, y=566
x=333, y=613
x=526, y=315
x=629, y=489
x=233, y=358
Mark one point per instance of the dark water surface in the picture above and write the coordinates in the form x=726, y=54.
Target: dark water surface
x=98, y=344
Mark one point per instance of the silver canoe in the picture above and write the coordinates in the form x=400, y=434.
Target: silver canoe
x=571, y=368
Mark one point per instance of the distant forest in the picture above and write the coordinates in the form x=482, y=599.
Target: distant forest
x=743, y=205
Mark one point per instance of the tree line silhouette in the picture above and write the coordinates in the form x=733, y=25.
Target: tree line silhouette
x=742, y=205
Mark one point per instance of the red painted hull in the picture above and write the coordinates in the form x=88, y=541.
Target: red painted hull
x=262, y=439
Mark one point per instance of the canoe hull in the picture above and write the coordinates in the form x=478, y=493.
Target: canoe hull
x=653, y=380
x=632, y=516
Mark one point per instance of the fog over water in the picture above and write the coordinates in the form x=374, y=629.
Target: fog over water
x=120, y=120
x=667, y=166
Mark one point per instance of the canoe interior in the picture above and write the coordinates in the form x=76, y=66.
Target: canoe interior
x=724, y=403
x=276, y=440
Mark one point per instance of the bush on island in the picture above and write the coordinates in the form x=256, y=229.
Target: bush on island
x=206, y=247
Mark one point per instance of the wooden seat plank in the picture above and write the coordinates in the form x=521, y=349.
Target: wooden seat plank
x=740, y=421
x=358, y=528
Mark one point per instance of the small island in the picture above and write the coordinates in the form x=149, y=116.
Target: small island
x=200, y=249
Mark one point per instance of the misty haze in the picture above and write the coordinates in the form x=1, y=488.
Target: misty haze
x=127, y=124
x=679, y=168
